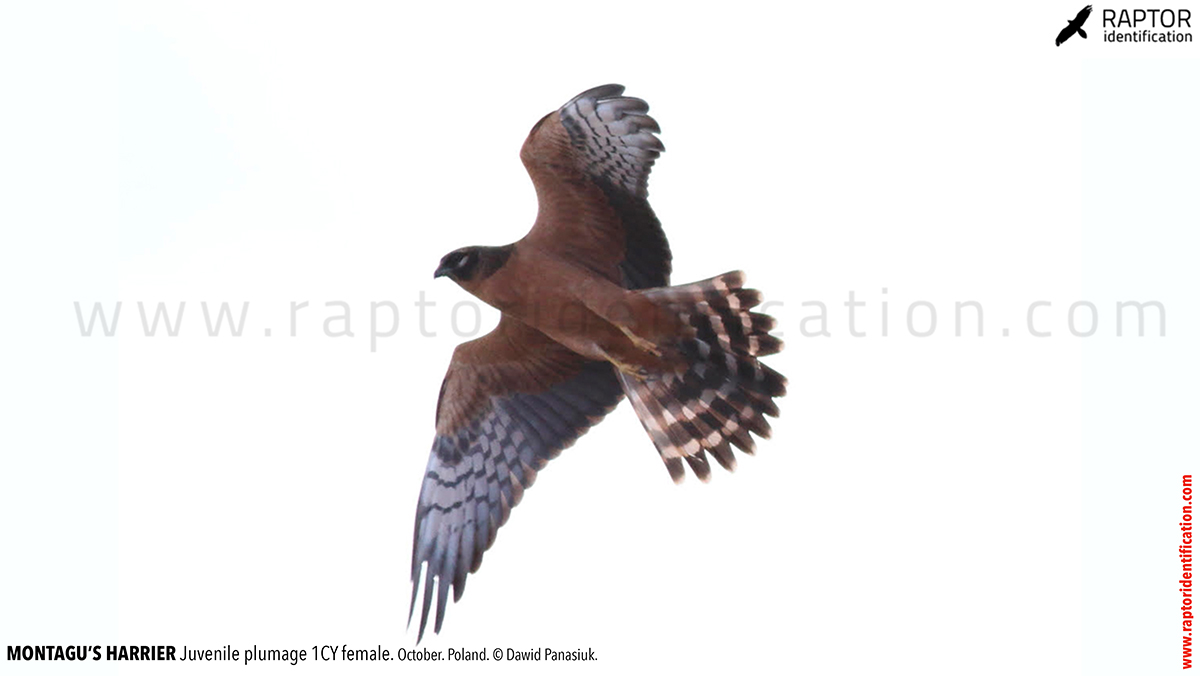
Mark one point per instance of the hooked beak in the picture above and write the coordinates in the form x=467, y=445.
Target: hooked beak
x=442, y=271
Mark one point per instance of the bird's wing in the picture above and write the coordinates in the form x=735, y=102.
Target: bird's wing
x=1064, y=34
x=510, y=402
x=1083, y=15
x=589, y=162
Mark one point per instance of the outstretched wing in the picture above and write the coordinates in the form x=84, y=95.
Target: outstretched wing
x=1082, y=16
x=589, y=162
x=1064, y=34
x=510, y=402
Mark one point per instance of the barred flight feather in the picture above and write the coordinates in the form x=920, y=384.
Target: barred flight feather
x=722, y=393
x=478, y=474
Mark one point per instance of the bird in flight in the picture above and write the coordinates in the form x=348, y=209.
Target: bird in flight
x=1074, y=26
x=587, y=318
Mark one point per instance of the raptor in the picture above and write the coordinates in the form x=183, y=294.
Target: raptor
x=588, y=318
x=1074, y=26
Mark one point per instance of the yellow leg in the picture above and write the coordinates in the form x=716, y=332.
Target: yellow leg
x=641, y=343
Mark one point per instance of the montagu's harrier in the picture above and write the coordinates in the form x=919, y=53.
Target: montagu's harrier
x=587, y=319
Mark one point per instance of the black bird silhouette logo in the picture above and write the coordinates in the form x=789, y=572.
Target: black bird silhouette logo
x=1074, y=26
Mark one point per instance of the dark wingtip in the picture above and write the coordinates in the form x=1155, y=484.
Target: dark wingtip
x=596, y=93
x=428, y=598
x=443, y=593
x=412, y=606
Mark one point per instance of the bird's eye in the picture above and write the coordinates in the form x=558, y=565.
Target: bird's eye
x=463, y=261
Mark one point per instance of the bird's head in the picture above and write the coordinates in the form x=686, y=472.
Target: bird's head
x=473, y=263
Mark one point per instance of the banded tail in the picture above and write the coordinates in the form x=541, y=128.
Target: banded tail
x=721, y=392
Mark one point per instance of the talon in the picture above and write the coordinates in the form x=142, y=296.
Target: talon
x=639, y=372
x=641, y=343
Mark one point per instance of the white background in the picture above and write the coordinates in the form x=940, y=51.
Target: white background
x=941, y=505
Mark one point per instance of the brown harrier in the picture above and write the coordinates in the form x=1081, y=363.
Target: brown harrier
x=587, y=319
